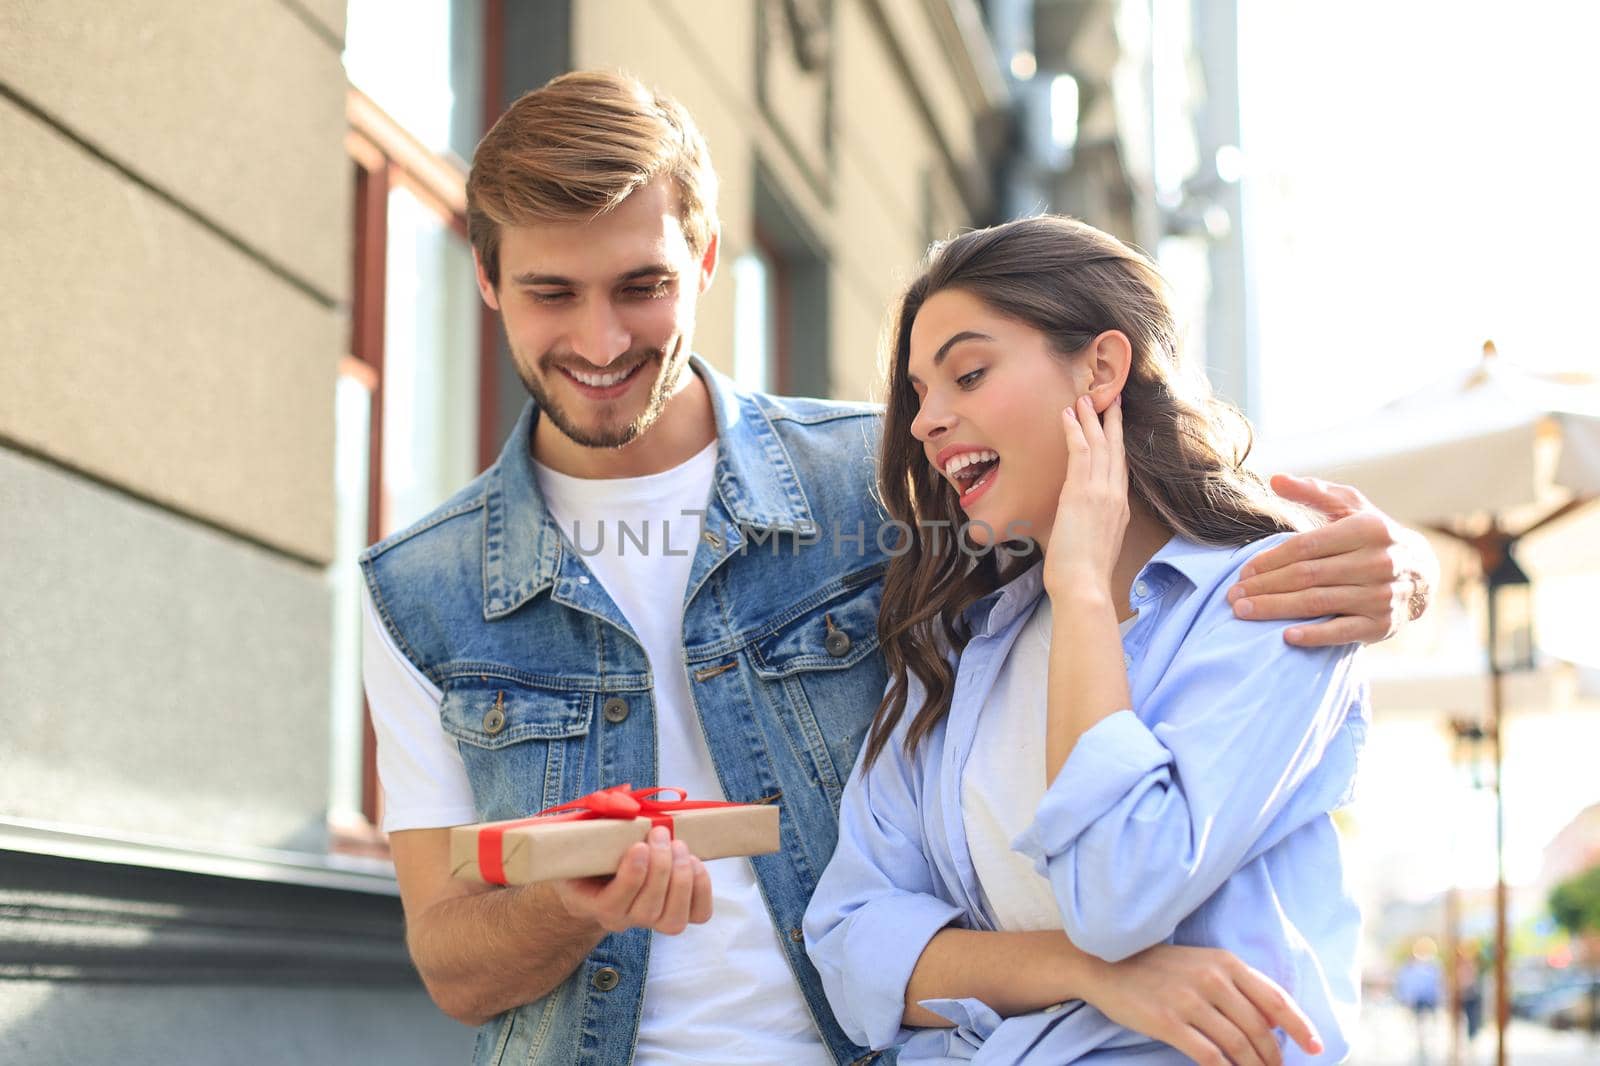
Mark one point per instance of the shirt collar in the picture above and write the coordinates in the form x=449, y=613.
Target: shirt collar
x=1199, y=564
x=755, y=483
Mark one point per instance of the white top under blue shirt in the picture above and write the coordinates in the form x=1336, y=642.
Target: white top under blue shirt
x=1202, y=816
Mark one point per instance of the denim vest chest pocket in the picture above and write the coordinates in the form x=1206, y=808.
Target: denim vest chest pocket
x=826, y=660
x=521, y=742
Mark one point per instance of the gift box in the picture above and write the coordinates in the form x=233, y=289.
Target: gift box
x=587, y=837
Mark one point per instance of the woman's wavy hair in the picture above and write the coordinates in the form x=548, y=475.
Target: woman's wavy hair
x=1186, y=447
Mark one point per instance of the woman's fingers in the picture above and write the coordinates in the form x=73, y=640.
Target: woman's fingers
x=1077, y=446
x=1199, y=1047
x=1095, y=434
x=1279, y=1009
x=1112, y=421
x=1233, y=1039
x=1251, y=1022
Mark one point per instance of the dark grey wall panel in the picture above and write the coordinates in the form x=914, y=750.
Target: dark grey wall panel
x=156, y=676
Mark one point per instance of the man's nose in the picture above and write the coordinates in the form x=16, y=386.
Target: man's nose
x=601, y=337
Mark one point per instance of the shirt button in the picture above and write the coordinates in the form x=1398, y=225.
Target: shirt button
x=494, y=719
x=582, y=580
x=1141, y=589
x=1052, y=1008
x=605, y=979
x=1127, y=660
x=615, y=710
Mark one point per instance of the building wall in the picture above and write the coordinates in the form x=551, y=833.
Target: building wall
x=175, y=196
x=170, y=313
x=873, y=155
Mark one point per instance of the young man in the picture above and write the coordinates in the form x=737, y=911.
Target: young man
x=665, y=581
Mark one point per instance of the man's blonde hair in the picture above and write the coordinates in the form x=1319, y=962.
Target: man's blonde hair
x=576, y=148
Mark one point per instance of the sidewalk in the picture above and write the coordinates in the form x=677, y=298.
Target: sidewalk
x=1389, y=1038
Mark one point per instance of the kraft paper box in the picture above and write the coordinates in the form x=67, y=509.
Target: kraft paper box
x=551, y=849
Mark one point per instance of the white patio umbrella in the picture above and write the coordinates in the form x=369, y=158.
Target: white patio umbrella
x=1485, y=456
x=1494, y=443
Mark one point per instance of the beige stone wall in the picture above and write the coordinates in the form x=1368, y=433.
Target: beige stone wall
x=898, y=107
x=176, y=201
x=175, y=198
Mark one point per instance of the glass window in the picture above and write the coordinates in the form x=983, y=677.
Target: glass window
x=754, y=321
x=422, y=62
x=430, y=362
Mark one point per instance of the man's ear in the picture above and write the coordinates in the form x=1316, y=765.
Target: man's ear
x=1108, y=358
x=708, y=259
x=485, y=289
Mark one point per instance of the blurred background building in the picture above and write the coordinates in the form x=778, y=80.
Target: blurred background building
x=241, y=340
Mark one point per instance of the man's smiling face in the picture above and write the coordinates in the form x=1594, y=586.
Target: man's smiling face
x=599, y=314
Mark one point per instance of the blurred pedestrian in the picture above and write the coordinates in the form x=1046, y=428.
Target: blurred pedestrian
x=1469, y=985
x=1417, y=986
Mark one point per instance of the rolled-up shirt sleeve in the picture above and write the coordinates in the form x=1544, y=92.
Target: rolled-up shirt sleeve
x=1154, y=810
x=876, y=905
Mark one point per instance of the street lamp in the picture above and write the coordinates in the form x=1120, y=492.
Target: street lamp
x=1510, y=613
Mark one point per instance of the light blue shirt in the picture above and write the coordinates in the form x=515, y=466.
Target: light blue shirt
x=1201, y=817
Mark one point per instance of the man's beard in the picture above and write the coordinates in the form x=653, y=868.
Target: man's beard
x=605, y=436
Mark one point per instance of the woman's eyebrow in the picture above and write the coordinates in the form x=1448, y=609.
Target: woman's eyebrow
x=944, y=350
x=964, y=335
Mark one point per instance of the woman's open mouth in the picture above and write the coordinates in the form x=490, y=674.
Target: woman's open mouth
x=973, y=473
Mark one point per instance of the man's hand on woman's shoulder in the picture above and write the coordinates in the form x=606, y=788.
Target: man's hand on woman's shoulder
x=1365, y=569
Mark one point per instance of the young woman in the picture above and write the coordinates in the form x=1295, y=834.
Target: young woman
x=1082, y=755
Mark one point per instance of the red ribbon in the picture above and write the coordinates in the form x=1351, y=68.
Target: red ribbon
x=622, y=802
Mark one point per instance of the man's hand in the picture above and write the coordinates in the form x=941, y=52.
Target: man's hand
x=482, y=949
x=658, y=885
x=1372, y=573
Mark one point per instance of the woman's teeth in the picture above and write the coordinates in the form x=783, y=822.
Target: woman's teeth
x=966, y=460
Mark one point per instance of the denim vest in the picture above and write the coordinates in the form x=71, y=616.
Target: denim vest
x=548, y=693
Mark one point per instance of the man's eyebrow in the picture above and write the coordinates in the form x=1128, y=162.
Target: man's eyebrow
x=650, y=270
x=944, y=349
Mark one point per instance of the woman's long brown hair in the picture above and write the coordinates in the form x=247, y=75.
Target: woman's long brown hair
x=1186, y=447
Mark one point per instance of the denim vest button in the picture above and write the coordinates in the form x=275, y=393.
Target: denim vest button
x=605, y=979
x=494, y=720
x=796, y=935
x=615, y=710
x=838, y=643
x=713, y=540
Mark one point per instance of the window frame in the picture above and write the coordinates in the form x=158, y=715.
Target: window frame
x=384, y=156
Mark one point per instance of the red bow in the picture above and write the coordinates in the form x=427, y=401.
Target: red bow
x=623, y=802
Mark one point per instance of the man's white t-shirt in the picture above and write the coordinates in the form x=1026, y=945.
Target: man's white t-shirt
x=1004, y=781
x=718, y=993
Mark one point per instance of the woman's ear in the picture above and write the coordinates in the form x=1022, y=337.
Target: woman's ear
x=1109, y=358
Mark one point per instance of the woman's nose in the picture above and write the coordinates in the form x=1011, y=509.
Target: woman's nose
x=931, y=423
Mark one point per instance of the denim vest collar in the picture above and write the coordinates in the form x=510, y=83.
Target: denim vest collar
x=523, y=549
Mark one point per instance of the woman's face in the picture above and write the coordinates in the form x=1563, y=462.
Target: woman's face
x=992, y=391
